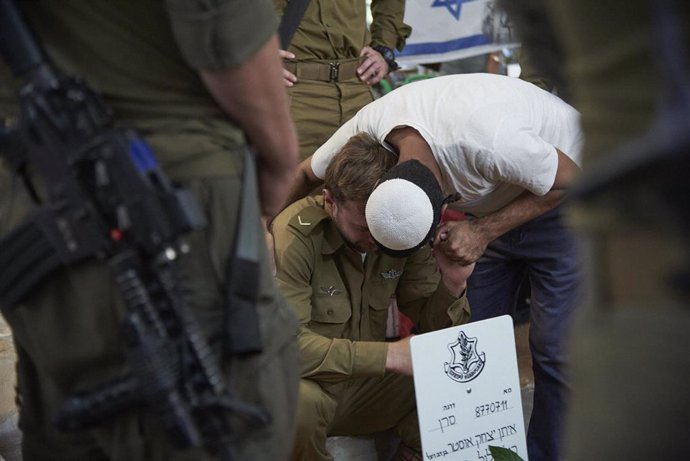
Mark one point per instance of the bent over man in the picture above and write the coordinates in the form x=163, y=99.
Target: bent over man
x=506, y=151
x=353, y=382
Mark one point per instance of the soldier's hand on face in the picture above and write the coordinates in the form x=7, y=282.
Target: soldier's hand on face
x=399, y=357
x=461, y=241
x=289, y=78
x=372, y=67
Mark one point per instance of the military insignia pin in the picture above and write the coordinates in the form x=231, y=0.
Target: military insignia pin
x=331, y=290
x=391, y=274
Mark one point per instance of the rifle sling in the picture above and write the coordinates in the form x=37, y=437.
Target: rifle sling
x=243, y=271
x=292, y=15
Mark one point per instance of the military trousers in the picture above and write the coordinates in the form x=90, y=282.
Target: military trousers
x=358, y=407
x=319, y=108
x=630, y=343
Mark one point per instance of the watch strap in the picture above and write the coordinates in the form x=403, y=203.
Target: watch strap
x=388, y=55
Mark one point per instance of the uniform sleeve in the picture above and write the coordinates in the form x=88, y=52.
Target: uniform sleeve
x=321, y=358
x=516, y=154
x=387, y=27
x=217, y=34
x=422, y=296
x=324, y=154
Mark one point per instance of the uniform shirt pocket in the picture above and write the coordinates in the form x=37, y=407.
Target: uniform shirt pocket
x=379, y=301
x=329, y=315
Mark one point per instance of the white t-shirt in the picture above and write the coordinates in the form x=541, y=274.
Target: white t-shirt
x=492, y=136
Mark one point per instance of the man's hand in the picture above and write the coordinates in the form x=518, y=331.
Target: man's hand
x=289, y=78
x=462, y=242
x=373, y=67
x=399, y=357
x=454, y=274
x=466, y=241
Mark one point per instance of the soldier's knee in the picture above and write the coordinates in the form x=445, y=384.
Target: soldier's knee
x=315, y=408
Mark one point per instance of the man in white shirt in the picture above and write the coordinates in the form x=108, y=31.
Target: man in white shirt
x=506, y=151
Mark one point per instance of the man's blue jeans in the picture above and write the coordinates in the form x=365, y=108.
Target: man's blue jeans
x=546, y=252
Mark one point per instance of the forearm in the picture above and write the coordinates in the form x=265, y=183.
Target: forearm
x=303, y=183
x=399, y=357
x=440, y=310
x=338, y=359
x=528, y=206
x=524, y=208
x=445, y=309
x=253, y=96
x=387, y=27
x=311, y=171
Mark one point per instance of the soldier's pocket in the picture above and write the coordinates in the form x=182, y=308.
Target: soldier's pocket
x=379, y=302
x=329, y=315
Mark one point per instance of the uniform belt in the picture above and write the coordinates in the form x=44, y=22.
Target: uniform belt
x=334, y=71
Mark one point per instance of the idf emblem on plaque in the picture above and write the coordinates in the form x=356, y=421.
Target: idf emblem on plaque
x=465, y=363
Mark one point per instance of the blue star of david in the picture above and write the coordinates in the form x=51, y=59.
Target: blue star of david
x=454, y=6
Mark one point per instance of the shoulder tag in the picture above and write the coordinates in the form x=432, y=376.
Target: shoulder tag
x=307, y=219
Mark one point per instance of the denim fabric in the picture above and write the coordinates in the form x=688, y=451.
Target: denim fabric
x=546, y=253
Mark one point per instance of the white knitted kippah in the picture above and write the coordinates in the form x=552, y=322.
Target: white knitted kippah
x=399, y=214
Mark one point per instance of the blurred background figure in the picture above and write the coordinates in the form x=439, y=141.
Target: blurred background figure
x=198, y=80
x=627, y=69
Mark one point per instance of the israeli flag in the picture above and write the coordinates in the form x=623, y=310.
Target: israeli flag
x=445, y=30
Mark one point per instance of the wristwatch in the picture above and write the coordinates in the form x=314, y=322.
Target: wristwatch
x=388, y=56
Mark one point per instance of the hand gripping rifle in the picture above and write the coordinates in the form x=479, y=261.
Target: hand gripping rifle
x=102, y=195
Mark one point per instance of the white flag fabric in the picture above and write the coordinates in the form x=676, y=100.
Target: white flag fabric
x=445, y=30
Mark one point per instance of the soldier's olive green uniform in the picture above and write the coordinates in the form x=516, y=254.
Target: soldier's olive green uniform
x=67, y=331
x=630, y=346
x=335, y=33
x=342, y=303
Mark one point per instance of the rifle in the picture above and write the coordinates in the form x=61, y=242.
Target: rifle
x=104, y=196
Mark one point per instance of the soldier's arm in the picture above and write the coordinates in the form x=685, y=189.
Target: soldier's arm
x=429, y=301
x=242, y=71
x=387, y=27
x=304, y=181
x=312, y=170
x=388, y=32
x=253, y=95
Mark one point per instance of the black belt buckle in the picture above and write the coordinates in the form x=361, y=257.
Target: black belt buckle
x=335, y=70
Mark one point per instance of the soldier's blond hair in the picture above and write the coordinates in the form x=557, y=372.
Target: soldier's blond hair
x=354, y=171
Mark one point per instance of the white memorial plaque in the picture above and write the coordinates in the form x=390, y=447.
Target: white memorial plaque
x=468, y=391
